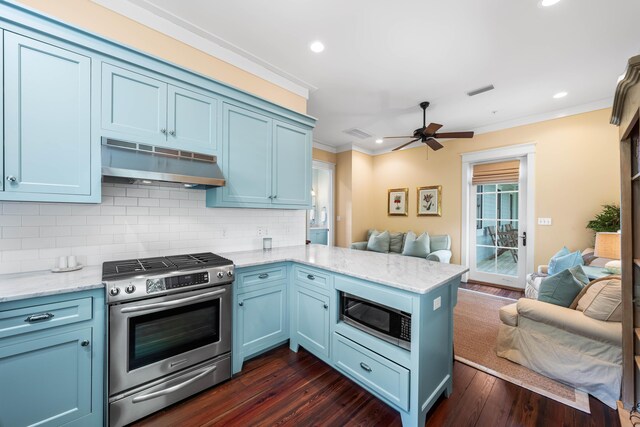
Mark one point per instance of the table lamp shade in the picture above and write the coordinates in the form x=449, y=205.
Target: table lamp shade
x=607, y=245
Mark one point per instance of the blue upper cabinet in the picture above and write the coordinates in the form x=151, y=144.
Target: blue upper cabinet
x=142, y=108
x=291, y=165
x=134, y=105
x=246, y=137
x=47, y=120
x=192, y=121
x=267, y=162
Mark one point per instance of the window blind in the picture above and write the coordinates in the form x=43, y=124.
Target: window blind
x=495, y=173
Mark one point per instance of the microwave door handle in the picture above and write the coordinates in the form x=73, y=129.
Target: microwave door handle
x=175, y=303
x=176, y=387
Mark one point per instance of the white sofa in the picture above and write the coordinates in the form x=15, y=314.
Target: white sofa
x=564, y=344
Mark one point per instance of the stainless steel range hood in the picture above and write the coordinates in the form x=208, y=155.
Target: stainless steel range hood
x=132, y=162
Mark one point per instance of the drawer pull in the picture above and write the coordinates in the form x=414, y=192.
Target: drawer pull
x=311, y=277
x=263, y=276
x=365, y=367
x=39, y=317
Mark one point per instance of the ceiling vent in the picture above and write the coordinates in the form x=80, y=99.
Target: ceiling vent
x=480, y=90
x=358, y=133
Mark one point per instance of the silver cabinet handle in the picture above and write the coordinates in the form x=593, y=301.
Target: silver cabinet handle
x=163, y=131
x=241, y=303
x=275, y=197
x=85, y=343
x=178, y=302
x=311, y=277
x=174, y=388
x=39, y=317
x=326, y=306
x=11, y=178
x=271, y=197
x=172, y=133
x=263, y=276
x=365, y=367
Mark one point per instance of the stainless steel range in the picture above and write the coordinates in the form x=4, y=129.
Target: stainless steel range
x=169, y=330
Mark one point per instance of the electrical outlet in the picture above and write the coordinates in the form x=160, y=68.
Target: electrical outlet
x=544, y=221
x=262, y=231
x=437, y=303
x=224, y=232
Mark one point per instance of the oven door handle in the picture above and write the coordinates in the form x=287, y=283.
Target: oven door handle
x=176, y=387
x=174, y=303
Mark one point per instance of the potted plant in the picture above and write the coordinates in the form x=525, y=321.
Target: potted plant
x=608, y=220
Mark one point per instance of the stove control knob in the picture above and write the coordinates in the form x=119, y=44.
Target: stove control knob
x=230, y=273
x=130, y=289
x=114, y=291
x=220, y=274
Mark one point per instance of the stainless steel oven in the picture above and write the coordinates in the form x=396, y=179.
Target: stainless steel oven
x=151, y=338
x=384, y=322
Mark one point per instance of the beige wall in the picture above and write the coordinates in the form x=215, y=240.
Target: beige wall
x=324, y=156
x=97, y=19
x=363, y=189
x=577, y=170
x=343, y=198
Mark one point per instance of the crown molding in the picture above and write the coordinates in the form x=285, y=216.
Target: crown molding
x=171, y=25
x=324, y=147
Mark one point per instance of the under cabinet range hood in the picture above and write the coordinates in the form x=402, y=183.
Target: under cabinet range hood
x=131, y=162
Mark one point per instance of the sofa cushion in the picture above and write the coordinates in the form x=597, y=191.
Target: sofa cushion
x=379, y=242
x=562, y=288
x=602, y=300
x=509, y=314
x=396, y=240
x=417, y=246
x=440, y=243
x=563, y=262
x=370, y=232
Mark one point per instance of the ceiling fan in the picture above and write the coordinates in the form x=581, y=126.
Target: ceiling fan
x=428, y=134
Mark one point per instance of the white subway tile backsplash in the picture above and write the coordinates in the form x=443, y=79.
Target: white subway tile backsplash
x=135, y=221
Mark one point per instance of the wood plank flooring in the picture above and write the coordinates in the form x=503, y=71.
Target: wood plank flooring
x=296, y=389
x=501, y=292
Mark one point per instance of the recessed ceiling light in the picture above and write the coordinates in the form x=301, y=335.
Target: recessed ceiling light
x=560, y=95
x=316, y=46
x=379, y=141
x=547, y=3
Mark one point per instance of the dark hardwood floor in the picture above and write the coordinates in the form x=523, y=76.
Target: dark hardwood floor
x=297, y=389
x=493, y=290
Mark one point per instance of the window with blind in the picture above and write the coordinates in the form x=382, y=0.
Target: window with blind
x=496, y=173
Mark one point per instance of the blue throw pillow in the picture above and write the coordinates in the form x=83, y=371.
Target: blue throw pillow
x=562, y=288
x=379, y=242
x=561, y=263
x=416, y=246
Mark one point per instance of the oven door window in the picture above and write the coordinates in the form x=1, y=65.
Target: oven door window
x=163, y=334
x=367, y=314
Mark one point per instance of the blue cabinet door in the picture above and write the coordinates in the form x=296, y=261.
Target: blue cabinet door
x=46, y=381
x=134, y=105
x=311, y=322
x=291, y=165
x=47, y=96
x=262, y=321
x=192, y=121
x=246, y=156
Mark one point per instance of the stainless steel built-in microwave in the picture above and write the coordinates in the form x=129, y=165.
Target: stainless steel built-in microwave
x=376, y=319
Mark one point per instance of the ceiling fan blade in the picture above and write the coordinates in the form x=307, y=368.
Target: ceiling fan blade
x=433, y=144
x=432, y=128
x=393, y=137
x=404, y=145
x=454, y=135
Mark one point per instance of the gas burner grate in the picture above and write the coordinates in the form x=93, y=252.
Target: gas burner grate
x=204, y=259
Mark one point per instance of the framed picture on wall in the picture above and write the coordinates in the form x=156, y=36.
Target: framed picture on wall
x=397, y=202
x=430, y=201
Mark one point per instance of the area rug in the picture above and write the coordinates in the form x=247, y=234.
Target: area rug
x=476, y=323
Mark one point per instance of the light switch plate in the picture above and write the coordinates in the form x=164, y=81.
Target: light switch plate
x=544, y=221
x=437, y=303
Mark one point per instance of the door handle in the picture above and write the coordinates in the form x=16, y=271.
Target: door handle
x=39, y=317
x=12, y=179
x=172, y=133
x=163, y=131
x=524, y=238
x=174, y=388
x=173, y=303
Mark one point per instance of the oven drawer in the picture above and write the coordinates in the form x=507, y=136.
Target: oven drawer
x=39, y=317
x=260, y=276
x=373, y=371
x=311, y=276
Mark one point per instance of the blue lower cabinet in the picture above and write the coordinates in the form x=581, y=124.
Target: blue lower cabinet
x=53, y=376
x=261, y=321
x=311, y=322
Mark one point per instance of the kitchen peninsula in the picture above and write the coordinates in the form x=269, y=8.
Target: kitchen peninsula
x=298, y=294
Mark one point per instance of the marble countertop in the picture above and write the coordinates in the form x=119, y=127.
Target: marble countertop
x=411, y=274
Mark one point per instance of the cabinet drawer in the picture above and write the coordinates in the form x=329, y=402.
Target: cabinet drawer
x=39, y=317
x=373, y=371
x=311, y=276
x=261, y=276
